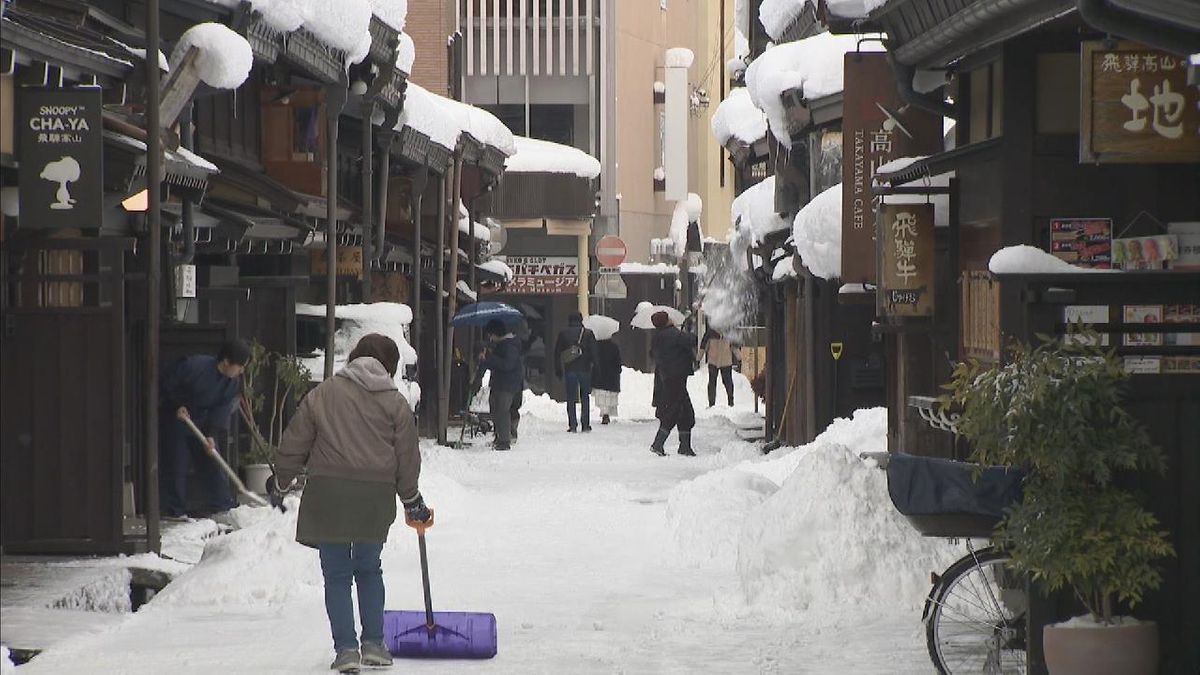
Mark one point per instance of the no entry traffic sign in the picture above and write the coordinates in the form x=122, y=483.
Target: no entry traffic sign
x=610, y=251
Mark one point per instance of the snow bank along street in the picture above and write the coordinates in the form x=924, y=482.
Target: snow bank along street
x=595, y=555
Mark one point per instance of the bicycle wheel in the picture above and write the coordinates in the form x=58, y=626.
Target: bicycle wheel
x=976, y=619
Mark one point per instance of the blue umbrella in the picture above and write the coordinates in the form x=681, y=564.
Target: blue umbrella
x=479, y=313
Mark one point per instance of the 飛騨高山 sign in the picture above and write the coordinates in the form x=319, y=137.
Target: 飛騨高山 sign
x=61, y=155
x=543, y=275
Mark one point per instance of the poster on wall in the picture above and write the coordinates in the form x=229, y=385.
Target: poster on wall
x=1188, y=235
x=62, y=158
x=906, y=260
x=1143, y=314
x=1083, y=242
x=1085, y=315
x=1145, y=253
x=543, y=275
x=1188, y=315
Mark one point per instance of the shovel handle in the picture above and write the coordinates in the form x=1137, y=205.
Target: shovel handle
x=216, y=456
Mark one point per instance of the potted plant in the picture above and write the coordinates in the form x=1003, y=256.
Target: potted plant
x=283, y=377
x=1055, y=410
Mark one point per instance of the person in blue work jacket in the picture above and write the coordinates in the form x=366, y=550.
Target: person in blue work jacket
x=507, y=363
x=205, y=388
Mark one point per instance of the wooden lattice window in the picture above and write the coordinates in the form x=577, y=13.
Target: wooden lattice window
x=293, y=137
x=980, y=330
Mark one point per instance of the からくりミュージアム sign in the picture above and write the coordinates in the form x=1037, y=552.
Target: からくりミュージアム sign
x=61, y=176
x=906, y=260
x=1137, y=106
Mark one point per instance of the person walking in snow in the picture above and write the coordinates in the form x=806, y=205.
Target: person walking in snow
x=674, y=353
x=606, y=378
x=206, y=389
x=356, y=438
x=574, y=354
x=720, y=354
x=507, y=365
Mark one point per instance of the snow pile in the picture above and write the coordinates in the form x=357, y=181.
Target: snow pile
x=498, y=267
x=784, y=269
x=817, y=234
x=705, y=515
x=387, y=318
x=659, y=87
x=406, y=53
x=466, y=290
x=423, y=113
x=646, y=268
x=754, y=211
x=644, y=311
x=737, y=118
x=481, y=124
x=829, y=539
x=107, y=593
x=814, y=65
x=7, y=667
x=391, y=12
x=347, y=28
x=1024, y=259
x=224, y=59
x=777, y=15
x=536, y=156
x=853, y=9
x=282, y=15
x=679, y=57
x=660, y=173
x=686, y=212
x=603, y=327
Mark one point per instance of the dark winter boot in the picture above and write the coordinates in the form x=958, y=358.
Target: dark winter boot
x=657, y=446
x=375, y=654
x=347, y=661
x=685, y=444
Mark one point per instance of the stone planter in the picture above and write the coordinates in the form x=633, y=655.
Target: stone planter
x=256, y=477
x=1129, y=649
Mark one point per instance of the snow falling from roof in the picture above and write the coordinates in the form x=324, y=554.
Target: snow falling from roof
x=813, y=65
x=736, y=117
x=391, y=12
x=537, y=156
x=224, y=59
x=1025, y=259
x=406, y=53
x=679, y=57
x=817, y=234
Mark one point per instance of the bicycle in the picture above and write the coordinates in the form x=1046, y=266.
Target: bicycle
x=976, y=613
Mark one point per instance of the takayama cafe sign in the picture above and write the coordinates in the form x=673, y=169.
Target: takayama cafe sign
x=1137, y=106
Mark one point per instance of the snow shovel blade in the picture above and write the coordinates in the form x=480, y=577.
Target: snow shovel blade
x=455, y=635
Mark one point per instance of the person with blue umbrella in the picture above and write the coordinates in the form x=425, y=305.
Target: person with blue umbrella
x=505, y=360
x=481, y=313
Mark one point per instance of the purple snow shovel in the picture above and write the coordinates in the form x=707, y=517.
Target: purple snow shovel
x=438, y=635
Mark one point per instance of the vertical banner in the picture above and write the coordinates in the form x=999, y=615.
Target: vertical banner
x=675, y=132
x=62, y=158
x=874, y=131
x=906, y=260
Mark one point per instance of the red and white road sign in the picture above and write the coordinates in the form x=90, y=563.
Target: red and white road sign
x=610, y=251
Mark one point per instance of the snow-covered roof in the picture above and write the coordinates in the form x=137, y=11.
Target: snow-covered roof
x=679, y=57
x=1024, y=259
x=777, y=15
x=422, y=112
x=537, y=156
x=347, y=27
x=817, y=234
x=391, y=12
x=224, y=58
x=736, y=117
x=498, y=267
x=756, y=209
x=941, y=202
x=406, y=53
x=387, y=318
x=481, y=124
x=853, y=9
x=813, y=65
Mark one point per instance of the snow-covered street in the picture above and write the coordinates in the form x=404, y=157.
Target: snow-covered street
x=594, y=554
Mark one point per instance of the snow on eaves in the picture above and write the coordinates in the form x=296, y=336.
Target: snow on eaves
x=406, y=53
x=679, y=57
x=391, y=12
x=817, y=234
x=941, y=202
x=224, y=59
x=537, y=156
x=814, y=65
x=423, y=113
x=481, y=124
x=753, y=211
x=347, y=27
x=736, y=117
x=784, y=269
x=499, y=268
x=1024, y=259
x=853, y=9
x=777, y=15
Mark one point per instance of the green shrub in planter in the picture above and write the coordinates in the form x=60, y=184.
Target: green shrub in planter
x=1055, y=410
x=284, y=378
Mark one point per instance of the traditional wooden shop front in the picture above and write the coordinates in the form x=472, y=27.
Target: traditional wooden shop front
x=1085, y=148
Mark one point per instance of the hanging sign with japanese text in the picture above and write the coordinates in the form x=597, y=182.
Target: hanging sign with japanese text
x=543, y=275
x=906, y=260
x=875, y=131
x=1137, y=106
x=349, y=262
x=62, y=158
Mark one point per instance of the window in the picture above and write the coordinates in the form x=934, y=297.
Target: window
x=986, y=102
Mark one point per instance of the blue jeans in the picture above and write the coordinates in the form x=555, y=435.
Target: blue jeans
x=579, y=388
x=341, y=563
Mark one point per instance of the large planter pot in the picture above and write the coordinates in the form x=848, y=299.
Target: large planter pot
x=256, y=477
x=1128, y=649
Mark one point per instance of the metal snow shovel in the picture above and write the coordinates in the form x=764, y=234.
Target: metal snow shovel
x=437, y=635
x=216, y=457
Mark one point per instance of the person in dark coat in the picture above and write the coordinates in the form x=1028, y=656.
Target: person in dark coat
x=507, y=365
x=574, y=354
x=606, y=378
x=356, y=438
x=674, y=353
x=205, y=388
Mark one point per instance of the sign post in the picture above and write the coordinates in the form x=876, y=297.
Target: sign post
x=61, y=176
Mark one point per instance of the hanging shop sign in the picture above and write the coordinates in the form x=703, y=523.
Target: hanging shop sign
x=349, y=262
x=906, y=260
x=543, y=275
x=62, y=158
x=877, y=127
x=1083, y=242
x=1137, y=106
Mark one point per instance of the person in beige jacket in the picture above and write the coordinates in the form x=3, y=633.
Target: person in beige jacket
x=720, y=354
x=356, y=438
